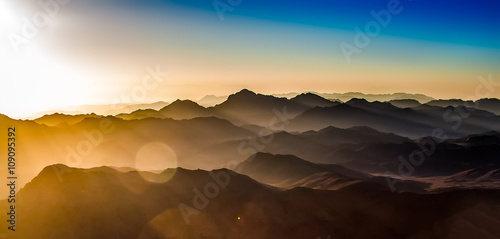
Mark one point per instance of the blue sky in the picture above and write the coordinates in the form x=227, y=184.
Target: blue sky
x=439, y=48
x=460, y=21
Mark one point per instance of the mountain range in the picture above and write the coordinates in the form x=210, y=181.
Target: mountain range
x=105, y=203
x=299, y=165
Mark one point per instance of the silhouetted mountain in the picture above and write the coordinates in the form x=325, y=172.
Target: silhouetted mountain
x=58, y=119
x=371, y=106
x=376, y=97
x=450, y=102
x=405, y=103
x=370, y=97
x=179, y=110
x=247, y=107
x=196, y=143
x=305, y=167
x=288, y=171
x=285, y=170
x=492, y=104
x=322, y=145
x=311, y=100
x=244, y=107
x=52, y=112
x=104, y=203
x=422, y=157
x=415, y=122
x=106, y=109
x=346, y=116
x=358, y=134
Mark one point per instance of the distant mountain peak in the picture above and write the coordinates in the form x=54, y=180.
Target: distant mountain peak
x=312, y=100
x=244, y=93
x=182, y=104
x=50, y=174
x=55, y=166
x=405, y=100
x=489, y=99
x=307, y=94
x=405, y=103
x=357, y=100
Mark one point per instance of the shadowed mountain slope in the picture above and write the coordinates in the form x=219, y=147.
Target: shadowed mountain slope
x=104, y=203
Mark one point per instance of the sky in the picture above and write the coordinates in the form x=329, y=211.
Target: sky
x=77, y=52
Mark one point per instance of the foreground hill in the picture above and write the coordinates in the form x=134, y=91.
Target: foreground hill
x=105, y=203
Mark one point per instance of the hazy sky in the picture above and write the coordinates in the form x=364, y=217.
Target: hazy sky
x=99, y=51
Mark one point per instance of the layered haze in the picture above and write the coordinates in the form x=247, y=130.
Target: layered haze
x=322, y=119
x=256, y=166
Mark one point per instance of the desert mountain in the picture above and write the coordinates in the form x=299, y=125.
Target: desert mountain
x=313, y=100
x=410, y=122
x=179, y=109
x=247, y=107
x=304, y=167
x=358, y=134
x=288, y=171
x=105, y=109
x=60, y=119
x=406, y=103
x=488, y=104
x=104, y=203
x=370, y=97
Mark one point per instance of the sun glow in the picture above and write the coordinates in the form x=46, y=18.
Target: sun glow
x=7, y=18
x=32, y=81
